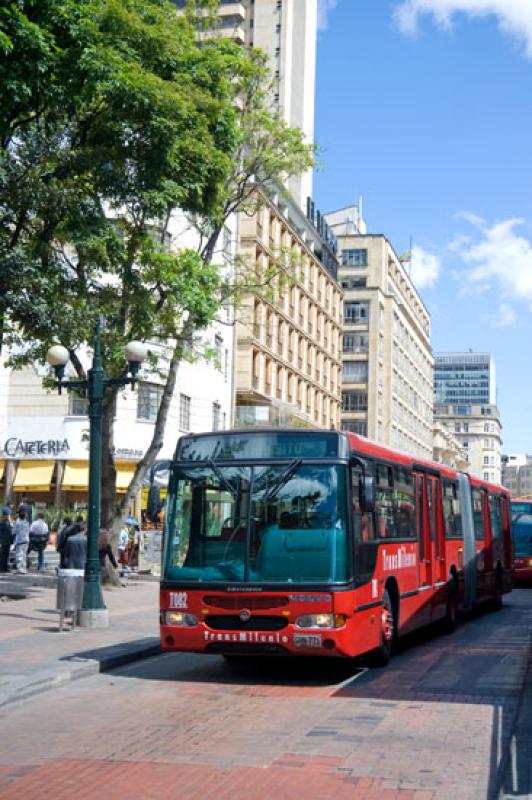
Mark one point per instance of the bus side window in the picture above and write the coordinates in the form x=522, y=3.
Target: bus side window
x=451, y=511
x=385, y=516
x=495, y=517
x=478, y=514
x=405, y=515
x=363, y=521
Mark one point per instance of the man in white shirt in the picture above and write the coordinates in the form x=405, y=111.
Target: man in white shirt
x=39, y=535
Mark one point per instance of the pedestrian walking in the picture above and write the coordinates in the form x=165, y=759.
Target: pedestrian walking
x=105, y=552
x=6, y=540
x=21, y=531
x=39, y=536
x=75, y=547
x=123, y=549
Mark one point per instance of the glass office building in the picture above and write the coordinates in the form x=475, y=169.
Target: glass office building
x=464, y=379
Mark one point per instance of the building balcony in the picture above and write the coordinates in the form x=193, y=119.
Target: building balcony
x=278, y=415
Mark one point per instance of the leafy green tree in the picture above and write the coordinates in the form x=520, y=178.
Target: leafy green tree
x=113, y=121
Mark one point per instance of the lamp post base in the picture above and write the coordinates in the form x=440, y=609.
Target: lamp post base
x=93, y=618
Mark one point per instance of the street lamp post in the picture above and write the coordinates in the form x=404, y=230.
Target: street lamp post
x=93, y=613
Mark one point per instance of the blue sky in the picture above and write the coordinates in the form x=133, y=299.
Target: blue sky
x=424, y=107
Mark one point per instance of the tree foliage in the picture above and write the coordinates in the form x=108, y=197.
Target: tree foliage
x=113, y=121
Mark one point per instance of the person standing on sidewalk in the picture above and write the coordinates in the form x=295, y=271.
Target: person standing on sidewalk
x=39, y=536
x=75, y=547
x=27, y=507
x=21, y=531
x=105, y=552
x=6, y=539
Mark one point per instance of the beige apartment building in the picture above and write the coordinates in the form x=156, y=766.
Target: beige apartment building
x=286, y=31
x=288, y=359
x=387, y=363
x=478, y=429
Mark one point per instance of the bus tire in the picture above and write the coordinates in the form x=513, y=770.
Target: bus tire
x=451, y=615
x=387, y=632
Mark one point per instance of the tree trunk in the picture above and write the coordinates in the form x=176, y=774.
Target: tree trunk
x=108, y=481
x=158, y=434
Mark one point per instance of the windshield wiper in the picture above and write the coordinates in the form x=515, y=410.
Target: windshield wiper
x=284, y=478
x=221, y=477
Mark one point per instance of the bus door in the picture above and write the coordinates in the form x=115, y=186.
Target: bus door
x=437, y=532
x=437, y=545
x=422, y=530
x=479, y=499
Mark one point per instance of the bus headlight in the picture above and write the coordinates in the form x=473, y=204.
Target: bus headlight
x=180, y=619
x=320, y=621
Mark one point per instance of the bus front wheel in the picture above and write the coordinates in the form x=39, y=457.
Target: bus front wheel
x=387, y=626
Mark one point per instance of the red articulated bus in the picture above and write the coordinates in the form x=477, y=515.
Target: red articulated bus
x=322, y=543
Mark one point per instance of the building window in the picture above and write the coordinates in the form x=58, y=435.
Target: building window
x=226, y=243
x=486, y=461
x=355, y=426
x=486, y=476
x=148, y=400
x=216, y=416
x=355, y=371
x=354, y=283
x=354, y=401
x=355, y=258
x=77, y=406
x=457, y=427
x=355, y=343
x=184, y=412
x=218, y=343
x=356, y=312
x=466, y=427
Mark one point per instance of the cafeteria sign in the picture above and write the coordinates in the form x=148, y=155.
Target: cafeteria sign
x=38, y=447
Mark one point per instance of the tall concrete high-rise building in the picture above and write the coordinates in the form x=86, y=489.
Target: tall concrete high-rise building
x=465, y=402
x=286, y=31
x=386, y=354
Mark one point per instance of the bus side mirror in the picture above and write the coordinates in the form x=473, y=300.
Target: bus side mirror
x=367, y=493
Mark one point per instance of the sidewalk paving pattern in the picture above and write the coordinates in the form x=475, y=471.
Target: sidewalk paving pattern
x=436, y=724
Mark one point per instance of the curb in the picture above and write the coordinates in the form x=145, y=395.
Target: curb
x=517, y=773
x=72, y=668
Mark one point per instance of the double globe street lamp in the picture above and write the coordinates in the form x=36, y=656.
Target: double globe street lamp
x=93, y=613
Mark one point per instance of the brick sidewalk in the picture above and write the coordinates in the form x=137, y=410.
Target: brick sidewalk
x=434, y=725
x=35, y=654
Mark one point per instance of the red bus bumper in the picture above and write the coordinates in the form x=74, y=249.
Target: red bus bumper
x=359, y=633
x=522, y=570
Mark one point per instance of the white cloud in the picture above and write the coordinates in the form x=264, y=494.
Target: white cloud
x=425, y=267
x=514, y=16
x=324, y=8
x=498, y=260
x=504, y=317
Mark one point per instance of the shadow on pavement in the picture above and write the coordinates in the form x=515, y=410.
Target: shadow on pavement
x=483, y=662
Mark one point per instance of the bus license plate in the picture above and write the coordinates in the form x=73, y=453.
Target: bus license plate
x=306, y=640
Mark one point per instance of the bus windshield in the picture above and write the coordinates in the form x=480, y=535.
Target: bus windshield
x=522, y=535
x=269, y=523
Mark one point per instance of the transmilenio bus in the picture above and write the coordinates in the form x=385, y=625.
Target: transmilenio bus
x=522, y=538
x=321, y=542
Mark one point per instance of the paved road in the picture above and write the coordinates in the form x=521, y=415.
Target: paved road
x=435, y=724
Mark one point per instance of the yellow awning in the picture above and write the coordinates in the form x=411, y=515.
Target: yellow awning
x=124, y=473
x=35, y=476
x=76, y=475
